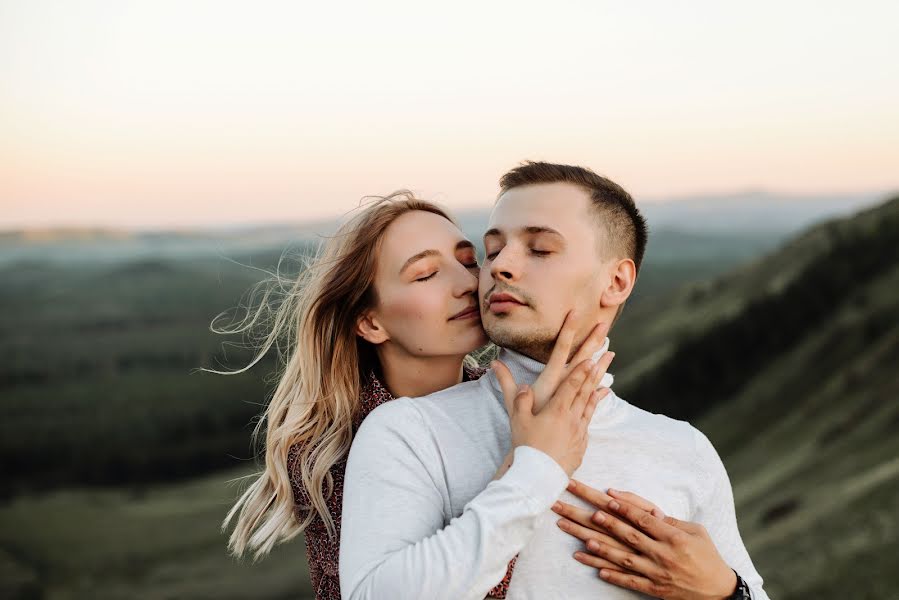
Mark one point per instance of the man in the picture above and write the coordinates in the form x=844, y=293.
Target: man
x=419, y=518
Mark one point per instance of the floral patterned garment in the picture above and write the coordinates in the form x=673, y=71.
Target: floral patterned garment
x=321, y=550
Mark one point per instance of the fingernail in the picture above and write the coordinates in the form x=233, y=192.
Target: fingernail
x=658, y=512
x=614, y=505
x=557, y=506
x=571, y=484
x=603, y=573
x=593, y=545
x=611, y=491
x=599, y=517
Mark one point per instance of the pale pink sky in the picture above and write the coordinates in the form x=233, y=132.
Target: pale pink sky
x=147, y=114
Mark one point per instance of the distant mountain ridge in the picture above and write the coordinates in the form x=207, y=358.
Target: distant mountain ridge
x=752, y=221
x=711, y=212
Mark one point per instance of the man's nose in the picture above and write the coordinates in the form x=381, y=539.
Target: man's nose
x=503, y=267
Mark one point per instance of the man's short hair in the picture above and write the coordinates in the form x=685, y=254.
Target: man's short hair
x=625, y=228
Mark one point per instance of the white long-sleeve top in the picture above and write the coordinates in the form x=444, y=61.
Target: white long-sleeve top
x=422, y=518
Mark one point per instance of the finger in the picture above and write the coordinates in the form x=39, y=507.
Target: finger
x=506, y=383
x=586, y=534
x=555, y=366
x=574, y=513
x=687, y=526
x=596, y=497
x=624, y=532
x=595, y=561
x=603, y=364
x=652, y=526
x=631, y=582
x=524, y=401
x=638, y=501
x=625, y=559
x=565, y=394
x=579, y=402
x=594, y=401
x=592, y=343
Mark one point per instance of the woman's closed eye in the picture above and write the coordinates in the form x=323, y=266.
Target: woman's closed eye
x=426, y=277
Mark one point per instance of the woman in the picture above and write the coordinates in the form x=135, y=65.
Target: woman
x=368, y=333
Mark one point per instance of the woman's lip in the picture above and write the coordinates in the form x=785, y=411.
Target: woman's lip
x=468, y=314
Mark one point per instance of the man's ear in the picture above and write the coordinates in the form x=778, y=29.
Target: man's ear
x=623, y=276
x=369, y=329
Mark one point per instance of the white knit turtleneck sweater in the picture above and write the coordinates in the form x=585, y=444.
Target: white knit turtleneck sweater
x=422, y=518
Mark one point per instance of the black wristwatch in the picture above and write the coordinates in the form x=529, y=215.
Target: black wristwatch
x=742, y=592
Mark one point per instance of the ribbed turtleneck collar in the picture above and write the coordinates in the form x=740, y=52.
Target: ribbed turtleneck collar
x=525, y=369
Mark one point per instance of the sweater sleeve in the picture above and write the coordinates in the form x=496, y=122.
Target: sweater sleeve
x=718, y=515
x=395, y=540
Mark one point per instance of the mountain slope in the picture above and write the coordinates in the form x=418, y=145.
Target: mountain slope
x=789, y=366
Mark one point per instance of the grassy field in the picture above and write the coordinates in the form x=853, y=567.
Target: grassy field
x=156, y=542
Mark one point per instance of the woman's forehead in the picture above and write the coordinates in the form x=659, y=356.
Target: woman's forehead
x=418, y=231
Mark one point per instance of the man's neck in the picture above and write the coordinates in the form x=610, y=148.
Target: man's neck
x=526, y=370
x=414, y=376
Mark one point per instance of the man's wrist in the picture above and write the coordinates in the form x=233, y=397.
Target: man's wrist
x=740, y=590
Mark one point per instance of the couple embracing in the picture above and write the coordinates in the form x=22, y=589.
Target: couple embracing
x=415, y=473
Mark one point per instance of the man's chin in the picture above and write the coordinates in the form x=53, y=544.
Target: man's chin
x=517, y=334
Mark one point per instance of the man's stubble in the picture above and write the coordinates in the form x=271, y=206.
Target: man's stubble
x=503, y=331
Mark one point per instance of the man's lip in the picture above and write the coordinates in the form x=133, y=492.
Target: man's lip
x=503, y=297
x=470, y=311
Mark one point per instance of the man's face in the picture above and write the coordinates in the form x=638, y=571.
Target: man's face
x=542, y=261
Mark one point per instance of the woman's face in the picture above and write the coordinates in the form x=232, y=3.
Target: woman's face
x=426, y=284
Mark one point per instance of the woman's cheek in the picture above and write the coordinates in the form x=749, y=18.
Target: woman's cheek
x=408, y=305
x=418, y=312
x=431, y=313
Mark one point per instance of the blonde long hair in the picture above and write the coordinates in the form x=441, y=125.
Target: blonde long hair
x=318, y=388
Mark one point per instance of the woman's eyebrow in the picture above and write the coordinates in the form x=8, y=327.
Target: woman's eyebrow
x=425, y=253
x=417, y=257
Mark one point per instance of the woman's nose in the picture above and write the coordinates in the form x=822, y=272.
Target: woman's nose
x=468, y=281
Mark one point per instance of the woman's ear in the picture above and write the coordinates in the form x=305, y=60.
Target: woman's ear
x=370, y=329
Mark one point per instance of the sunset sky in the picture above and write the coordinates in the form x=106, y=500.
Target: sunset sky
x=184, y=114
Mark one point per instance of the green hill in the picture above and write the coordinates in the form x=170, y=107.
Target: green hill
x=789, y=365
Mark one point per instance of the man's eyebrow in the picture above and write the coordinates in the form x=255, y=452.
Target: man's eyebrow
x=531, y=229
x=541, y=229
x=425, y=253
